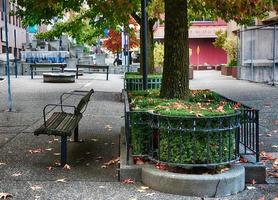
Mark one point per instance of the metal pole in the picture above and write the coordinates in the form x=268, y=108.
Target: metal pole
x=15, y=54
x=252, y=65
x=144, y=25
x=7, y=56
x=274, y=54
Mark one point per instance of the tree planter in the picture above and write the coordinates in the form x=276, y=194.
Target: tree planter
x=135, y=82
x=226, y=71
x=234, y=72
x=190, y=141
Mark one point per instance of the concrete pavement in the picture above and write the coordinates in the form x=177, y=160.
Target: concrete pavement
x=27, y=176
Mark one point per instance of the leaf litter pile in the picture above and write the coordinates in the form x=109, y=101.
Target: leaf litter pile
x=200, y=103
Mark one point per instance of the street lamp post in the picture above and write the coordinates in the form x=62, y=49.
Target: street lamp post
x=7, y=55
x=144, y=25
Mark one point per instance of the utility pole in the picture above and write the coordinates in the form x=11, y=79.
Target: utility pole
x=144, y=26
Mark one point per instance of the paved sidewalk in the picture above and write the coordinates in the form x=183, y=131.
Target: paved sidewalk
x=26, y=176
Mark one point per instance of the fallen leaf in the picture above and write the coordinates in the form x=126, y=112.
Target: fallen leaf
x=1, y=163
x=140, y=190
x=36, y=187
x=67, y=167
x=224, y=170
x=150, y=194
x=35, y=151
x=237, y=106
x=128, y=181
x=56, y=154
x=62, y=180
x=57, y=163
x=266, y=156
x=4, y=195
x=49, y=149
x=161, y=166
x=104, y=166
x=112, y=162
x=274, y=175
x=49, y=168
x=16, y=174
x=144, y=187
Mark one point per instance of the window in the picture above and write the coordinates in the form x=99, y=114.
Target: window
x=202, y=19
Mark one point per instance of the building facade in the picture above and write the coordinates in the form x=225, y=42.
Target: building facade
x=16, y=33
x=201, y=38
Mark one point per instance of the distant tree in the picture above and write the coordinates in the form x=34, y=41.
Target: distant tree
x=114, y=41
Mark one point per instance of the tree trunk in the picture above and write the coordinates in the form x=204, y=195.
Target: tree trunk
x=150, y=48
x=175, y=81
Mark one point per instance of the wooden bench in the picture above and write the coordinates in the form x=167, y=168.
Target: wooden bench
x=95, y=68
x=47, y=67
x=64, y=123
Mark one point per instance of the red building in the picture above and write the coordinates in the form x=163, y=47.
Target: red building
x=201, y=38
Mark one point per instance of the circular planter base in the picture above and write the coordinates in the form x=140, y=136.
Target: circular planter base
x=205, y=185
x=58, y=78
x=72, y=70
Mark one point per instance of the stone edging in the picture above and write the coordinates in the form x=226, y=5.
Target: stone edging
x=219, y=185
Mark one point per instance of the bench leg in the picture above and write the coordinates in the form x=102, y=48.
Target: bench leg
x=76, y=134
x=63, y=150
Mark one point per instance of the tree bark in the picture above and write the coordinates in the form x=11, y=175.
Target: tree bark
x=175, y=81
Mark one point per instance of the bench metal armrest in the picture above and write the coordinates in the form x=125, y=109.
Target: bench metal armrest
x=75, y=92
x=55, y=105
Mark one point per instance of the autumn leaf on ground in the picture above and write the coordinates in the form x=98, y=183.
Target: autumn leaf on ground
x=1, y=163
x=62, y=180
x=237, y=106
x=112, y=162
x=36, y=187
x=109, y=127
x=265, y=156
x=49, y=168
x=16, y=174
x=35, y=151
x=128, y=181
x=56, y=154
x=67, y=167
x=49, y=149
x=161, y=166
x=57, y=163
x=104, y=166
x=150, y=194
x=4, y=195
x=253, y=182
